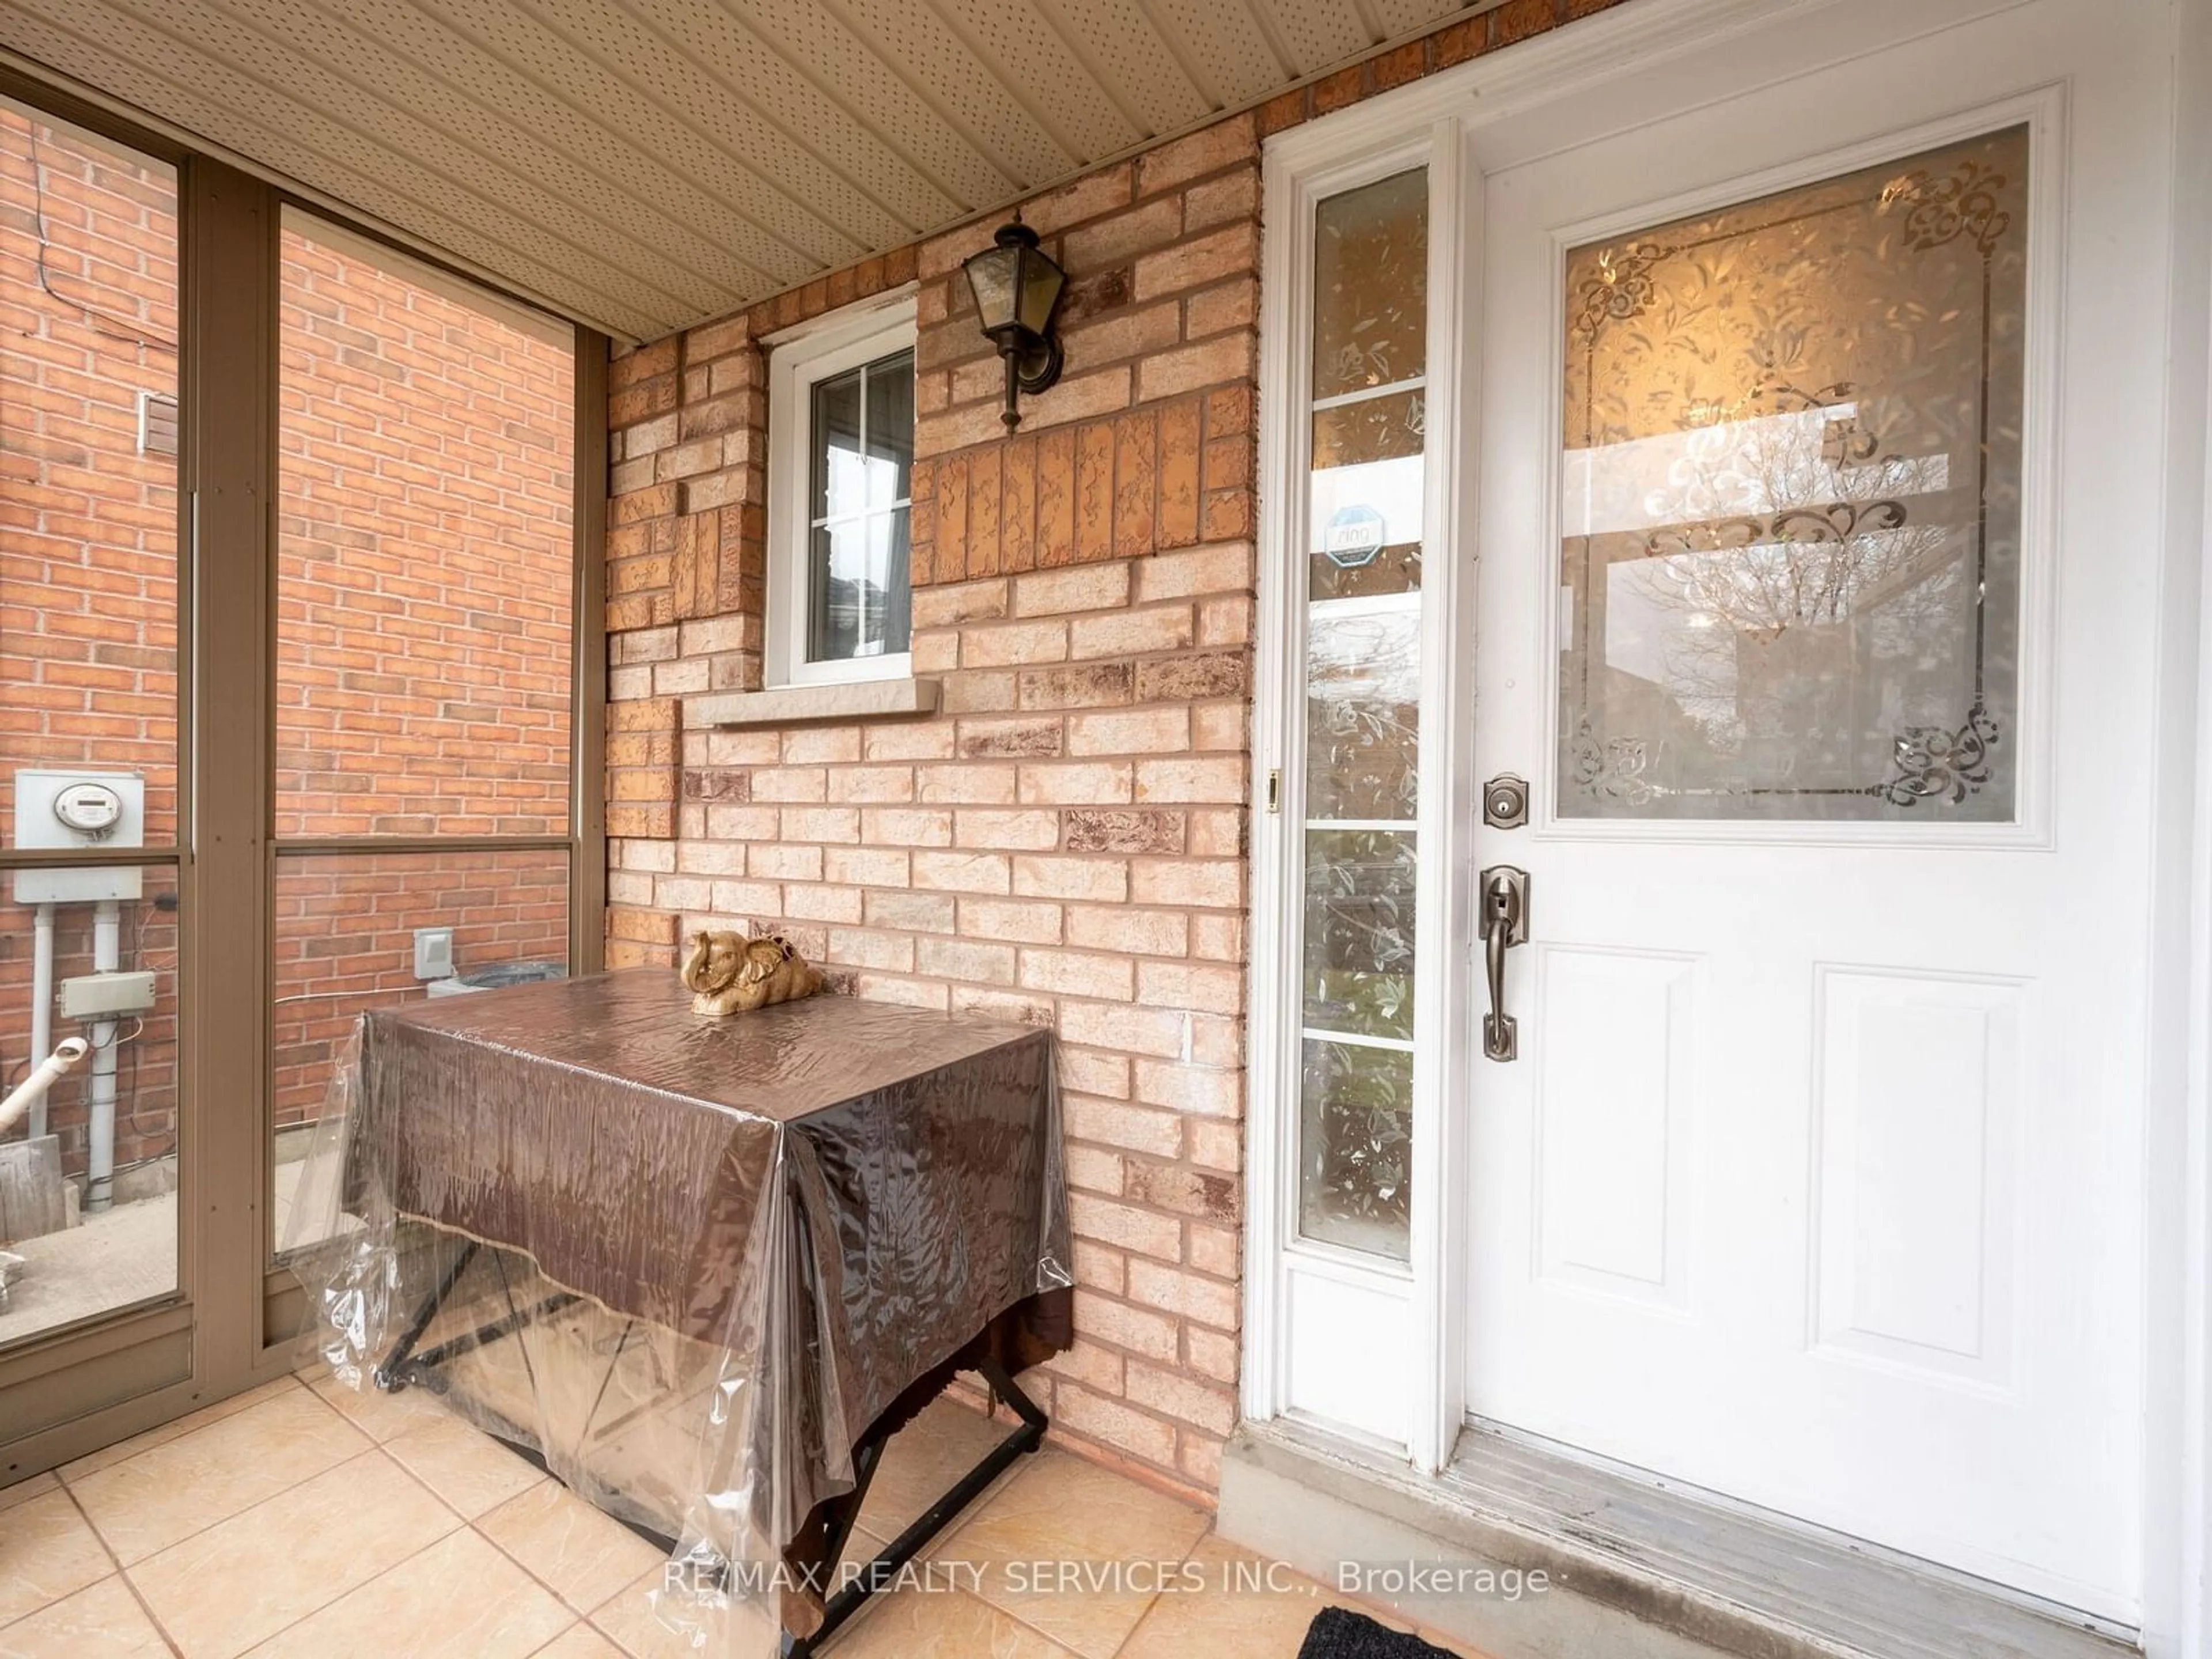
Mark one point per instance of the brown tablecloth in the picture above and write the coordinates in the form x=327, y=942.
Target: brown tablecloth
x=842, y=1197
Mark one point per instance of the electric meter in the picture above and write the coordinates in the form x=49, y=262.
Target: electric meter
x=75, y=808
x=90, y=809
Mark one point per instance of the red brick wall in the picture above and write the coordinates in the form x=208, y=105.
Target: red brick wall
x=345, y=942
x=1065, y=842
x=88, y=560
x=424, y=559
x=88, y=524
x=425, y=563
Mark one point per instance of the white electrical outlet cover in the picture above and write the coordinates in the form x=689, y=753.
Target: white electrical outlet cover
x=434, y=953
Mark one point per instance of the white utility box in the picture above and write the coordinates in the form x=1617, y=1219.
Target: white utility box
x=79, y=807
x=104, y=996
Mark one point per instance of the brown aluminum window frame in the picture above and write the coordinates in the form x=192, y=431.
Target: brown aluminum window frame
x=229, y=1324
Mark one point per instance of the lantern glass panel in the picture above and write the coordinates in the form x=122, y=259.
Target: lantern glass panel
x=1040, y=283
x=991, y=276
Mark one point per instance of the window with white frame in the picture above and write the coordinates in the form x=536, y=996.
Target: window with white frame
x=841, y=460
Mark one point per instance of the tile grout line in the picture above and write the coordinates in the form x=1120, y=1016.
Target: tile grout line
x=584, y=1618
x=583, y=1614
x=159, y=1445
x=130, y=1585
x=324, y=1607
x=1151, y=1602
x=63, y=1484
x=174, y=1439
x=171, y=1440
x=1152, y=1605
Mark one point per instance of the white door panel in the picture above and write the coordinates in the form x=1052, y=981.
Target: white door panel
x=1816, y=1180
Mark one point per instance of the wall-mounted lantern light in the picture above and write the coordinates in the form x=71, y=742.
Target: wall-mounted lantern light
x=1016, y=290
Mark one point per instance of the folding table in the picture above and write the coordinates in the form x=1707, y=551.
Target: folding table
x=700, y=1269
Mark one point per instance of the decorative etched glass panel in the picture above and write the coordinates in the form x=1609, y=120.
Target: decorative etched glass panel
x=1364, y=521
x=1363, y=714
x=1359, y=932
x=1356, y=1124
x=1370, y=286
x=1791, y=503
x=1363, y=670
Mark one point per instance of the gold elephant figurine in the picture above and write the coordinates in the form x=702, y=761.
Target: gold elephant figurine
x=729, y=974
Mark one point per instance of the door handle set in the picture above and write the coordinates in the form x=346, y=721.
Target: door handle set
x=1504, y=900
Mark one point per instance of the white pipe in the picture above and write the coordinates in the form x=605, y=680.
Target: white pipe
x=106, y=959
x=32, y=1089
x=42, y=1004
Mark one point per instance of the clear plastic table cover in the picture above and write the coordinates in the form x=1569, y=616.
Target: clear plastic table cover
x=712, y=1252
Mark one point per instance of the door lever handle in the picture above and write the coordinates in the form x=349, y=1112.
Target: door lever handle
x=1504, y=900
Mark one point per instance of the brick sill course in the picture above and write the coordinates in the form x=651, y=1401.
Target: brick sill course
x=851, y=700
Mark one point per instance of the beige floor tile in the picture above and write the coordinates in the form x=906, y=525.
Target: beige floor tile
x=654, y=1459
x=379, y=1415
x=1232, y=1604
x=240, y=1582
x=630, y=1620
x=214, y=1471
x=109, y=1455
x=459, y=1599
x=103, y=1619
x=47, y=1551
x=627, y=1619
x=581, y=1554
x=24, y=1491
x=579, y=1642
x=462, y=1465
x=1107, y=1531
x=940, y=1445
x=912, y=1623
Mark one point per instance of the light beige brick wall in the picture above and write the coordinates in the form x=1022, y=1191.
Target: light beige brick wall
x=1066, y=841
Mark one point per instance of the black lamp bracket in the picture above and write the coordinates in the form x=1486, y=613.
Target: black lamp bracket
x=1037, y=364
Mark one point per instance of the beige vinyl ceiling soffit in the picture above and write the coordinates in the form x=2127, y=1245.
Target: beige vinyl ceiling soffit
x=645, y=165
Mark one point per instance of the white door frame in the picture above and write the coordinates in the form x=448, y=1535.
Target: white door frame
x=1415, y=1314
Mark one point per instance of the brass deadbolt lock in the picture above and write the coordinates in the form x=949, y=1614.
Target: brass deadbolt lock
x=1505, y=802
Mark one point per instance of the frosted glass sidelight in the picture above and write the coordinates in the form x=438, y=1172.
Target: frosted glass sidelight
x=1363, y=713
x=1355, y=1126
x=1370, y=286
x=1359, y=932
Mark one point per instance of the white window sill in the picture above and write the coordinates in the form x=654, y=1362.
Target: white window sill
x=849, y=699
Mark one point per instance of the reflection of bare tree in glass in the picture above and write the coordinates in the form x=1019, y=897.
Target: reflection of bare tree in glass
x=1812, y=604
x=1359, y=931
x=1363, y=714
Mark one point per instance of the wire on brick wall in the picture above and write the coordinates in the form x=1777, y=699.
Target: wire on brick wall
x=92, y=314
x=333, y=996
x=137, y=1030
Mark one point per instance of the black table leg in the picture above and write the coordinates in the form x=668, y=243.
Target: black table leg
x=403, y=1365
x=882, y=1571
x=389, y=1375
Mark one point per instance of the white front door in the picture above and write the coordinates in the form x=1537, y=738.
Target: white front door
x=1818, y=566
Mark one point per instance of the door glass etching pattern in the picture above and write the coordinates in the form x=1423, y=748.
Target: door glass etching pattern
x=1791, y=511
x=1362, y=731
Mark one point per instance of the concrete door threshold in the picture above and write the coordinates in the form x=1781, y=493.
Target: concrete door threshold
x=1628, y=1566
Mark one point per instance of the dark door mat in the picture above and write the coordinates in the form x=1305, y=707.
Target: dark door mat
x=1336, y=1633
